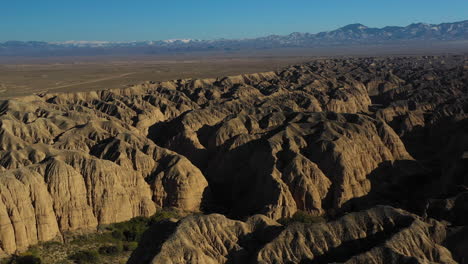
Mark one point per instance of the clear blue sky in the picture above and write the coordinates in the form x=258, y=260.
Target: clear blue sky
x=126, y=20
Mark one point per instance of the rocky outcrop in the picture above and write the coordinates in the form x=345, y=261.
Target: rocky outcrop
x=328, y=137
x=379, y=235
x=309, y=162
x=71, y=163
x=211, y=239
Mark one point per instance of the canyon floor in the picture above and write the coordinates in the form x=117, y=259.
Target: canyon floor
x=334, y=160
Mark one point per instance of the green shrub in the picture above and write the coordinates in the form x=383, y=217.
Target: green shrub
x=110, y=250
x=81, y=239
x=130, y=246
x=302, y=217
x=118, y=234
x=163, y=215
x=132, y=230
x=85, y=257
x=24, y=259
x=51, y=244
x=28, y=259
x=98, y=238
x=133, y=235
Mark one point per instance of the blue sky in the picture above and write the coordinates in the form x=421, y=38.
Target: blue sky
x=127, y=20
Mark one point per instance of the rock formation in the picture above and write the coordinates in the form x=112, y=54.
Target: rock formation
x=379, y=235
x=328, y=138
x=72, y=162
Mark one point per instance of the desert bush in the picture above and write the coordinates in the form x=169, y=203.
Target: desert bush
x=24, y=259
x=110, y=250
x=163, y=215
x=133, y=229
x=28, y=259
x=118, y=234
x=51, y=244
x=130, y=230
x=85, y=257
x=130, y=246
x=302, y=217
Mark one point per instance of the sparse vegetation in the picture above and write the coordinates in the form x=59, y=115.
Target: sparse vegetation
x=164, y=215
x=302, y=217
x=24, y=259
x=32, y=256
x=111, y=244
x=85, y=257
x=111, y=250
x=130, y=246
x=132, y=230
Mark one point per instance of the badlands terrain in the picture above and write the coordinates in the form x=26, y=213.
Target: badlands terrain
x=371, y=152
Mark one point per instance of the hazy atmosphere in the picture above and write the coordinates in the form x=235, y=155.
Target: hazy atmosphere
x=121, y=20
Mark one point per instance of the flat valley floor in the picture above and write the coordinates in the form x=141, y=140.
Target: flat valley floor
x=27, y=76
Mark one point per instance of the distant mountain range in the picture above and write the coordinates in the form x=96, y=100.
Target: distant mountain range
x=354, y=34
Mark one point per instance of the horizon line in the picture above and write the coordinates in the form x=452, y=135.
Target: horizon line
x=216, y=39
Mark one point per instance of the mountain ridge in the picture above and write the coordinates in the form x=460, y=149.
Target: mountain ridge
x=357, y=34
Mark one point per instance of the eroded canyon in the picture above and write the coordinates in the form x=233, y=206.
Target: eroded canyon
x=377, y=146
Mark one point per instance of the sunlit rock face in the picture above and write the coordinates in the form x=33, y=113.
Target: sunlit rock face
x=336, y=138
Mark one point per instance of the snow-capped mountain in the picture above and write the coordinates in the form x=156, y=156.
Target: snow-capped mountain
x=347, y=35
